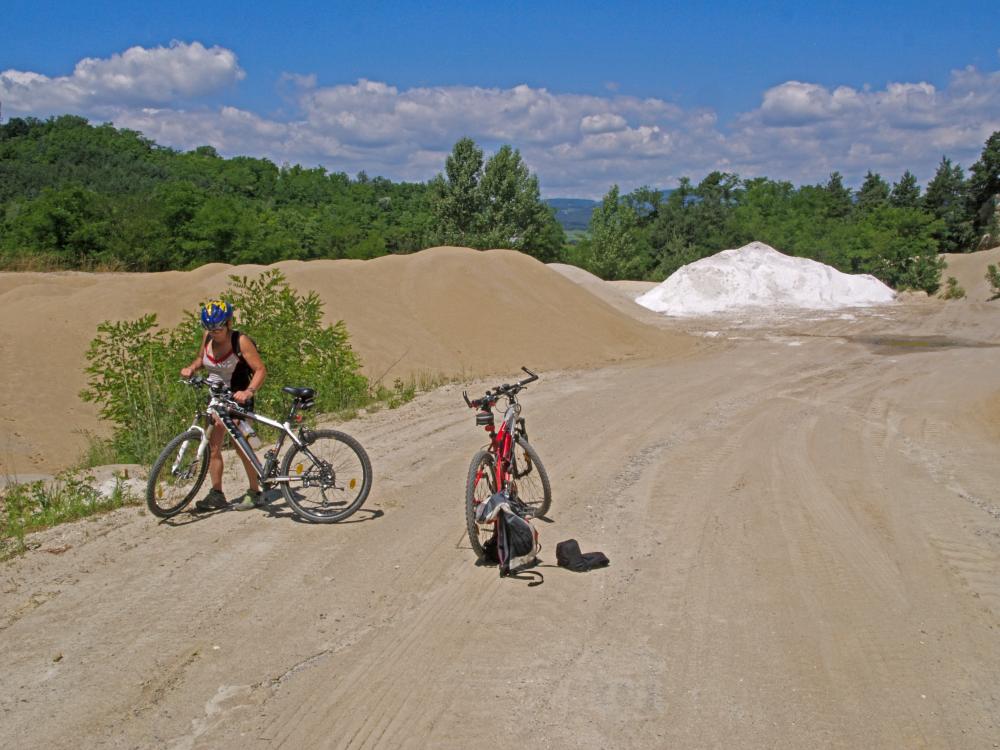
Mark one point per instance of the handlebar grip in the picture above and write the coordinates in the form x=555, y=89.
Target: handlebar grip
x=531, y=379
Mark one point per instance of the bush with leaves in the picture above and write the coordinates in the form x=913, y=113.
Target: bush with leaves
x=953, y=290
x=993, y=277
x=134, y=366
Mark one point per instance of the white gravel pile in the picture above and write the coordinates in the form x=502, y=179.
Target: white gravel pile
x=758, y=276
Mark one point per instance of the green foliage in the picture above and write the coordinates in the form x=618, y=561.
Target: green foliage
x=984, y=194
x=74, y=195
x=496, y=205
x=131, y=376
x=952, y=289
x=39, y=505
x=838, y=203
x=134, y=366
x=614, y=250
x=456, y=202
x=295, y=345
x=946, y=200
x=639, y=236
x=906, y=192
x=873, y=193
x=897, y=246
x=84, y=196
x=993, y=278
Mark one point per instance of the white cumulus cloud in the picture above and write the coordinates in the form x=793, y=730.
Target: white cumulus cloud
x=136, y=76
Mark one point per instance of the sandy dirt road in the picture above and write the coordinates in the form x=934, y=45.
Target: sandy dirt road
x=804, y=534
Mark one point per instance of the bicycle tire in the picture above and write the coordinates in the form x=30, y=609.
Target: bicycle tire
x=479, y=488
x=341, y=455
x=532, y=484
x=162, y=492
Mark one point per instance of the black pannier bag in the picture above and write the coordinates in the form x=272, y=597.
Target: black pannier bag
x=514, y=543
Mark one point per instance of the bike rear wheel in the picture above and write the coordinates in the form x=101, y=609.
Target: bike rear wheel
x=331, y=483
x=176, y=476
x=530, y=480
x=480, y=487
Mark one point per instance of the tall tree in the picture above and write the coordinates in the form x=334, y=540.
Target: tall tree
x=513, y=214
x=617, y=248
x=984, y=193
x=946, y=200
x=837, y=198
x=873, y=193
x=906, y=192
x=456, y=201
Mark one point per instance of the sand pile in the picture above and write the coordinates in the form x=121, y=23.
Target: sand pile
x=619, y=294
x=444, y=311
x=969, y=270
x=758, y=276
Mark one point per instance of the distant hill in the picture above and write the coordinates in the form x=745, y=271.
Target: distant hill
x=572, y=213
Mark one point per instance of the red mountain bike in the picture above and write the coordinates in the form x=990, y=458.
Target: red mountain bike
x=507, y=463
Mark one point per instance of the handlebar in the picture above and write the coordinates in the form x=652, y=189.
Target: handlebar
x=507, y=389
x=219, y=391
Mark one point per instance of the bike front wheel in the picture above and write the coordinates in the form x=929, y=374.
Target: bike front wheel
x=530, y=480
x=480, y=487
x=176, y=476
x=328, y=479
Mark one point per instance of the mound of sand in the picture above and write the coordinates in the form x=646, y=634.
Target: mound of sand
x=619, y=294
x=444, y=311
x=969, y=269
x=758, y=276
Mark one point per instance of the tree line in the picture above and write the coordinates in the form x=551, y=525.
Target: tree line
x=77, y=195
x=893, y=232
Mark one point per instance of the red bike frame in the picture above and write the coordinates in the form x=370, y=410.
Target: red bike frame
x=502, y=440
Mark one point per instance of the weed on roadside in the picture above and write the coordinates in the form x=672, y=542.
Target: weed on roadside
x=953, y=290
x=34, y=506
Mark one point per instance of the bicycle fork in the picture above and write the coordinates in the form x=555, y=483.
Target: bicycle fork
x=202, y=447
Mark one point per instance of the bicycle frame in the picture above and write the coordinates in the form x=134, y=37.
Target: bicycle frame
x=228, y=411
x=502, y=441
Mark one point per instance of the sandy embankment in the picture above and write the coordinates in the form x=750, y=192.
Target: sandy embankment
x=442, y=312
x=969, y=269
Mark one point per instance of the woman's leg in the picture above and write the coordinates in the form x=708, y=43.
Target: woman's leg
x=251, y=472
x=215, y=454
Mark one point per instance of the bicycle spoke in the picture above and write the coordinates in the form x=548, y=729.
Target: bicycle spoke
x=330, y=479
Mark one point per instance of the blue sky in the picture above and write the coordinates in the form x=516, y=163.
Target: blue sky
x=591, y=93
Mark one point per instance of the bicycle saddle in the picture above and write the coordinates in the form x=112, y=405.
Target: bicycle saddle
x=301, y=393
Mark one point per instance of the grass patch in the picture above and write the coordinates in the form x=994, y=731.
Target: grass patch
x=404, y=391
x=953, y=289
x=993, y=277
x=34, y=506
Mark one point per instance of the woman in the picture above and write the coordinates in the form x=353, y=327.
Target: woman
x=232, y=358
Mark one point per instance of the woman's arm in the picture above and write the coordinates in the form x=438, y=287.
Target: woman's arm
x=249, y=352
x=196, y=364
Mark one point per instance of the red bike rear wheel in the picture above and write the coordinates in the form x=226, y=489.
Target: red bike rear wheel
x=480, y=487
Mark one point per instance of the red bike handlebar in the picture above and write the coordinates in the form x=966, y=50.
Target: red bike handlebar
x=501, y=390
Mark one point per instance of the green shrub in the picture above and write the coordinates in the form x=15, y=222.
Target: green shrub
x=134, y=366
x=39, y=505
x=993, y=277
x=953, y=290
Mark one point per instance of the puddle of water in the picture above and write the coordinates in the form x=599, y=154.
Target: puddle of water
x=899, y=344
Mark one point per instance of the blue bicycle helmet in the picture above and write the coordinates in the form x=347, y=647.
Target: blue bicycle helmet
x=214, y=314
